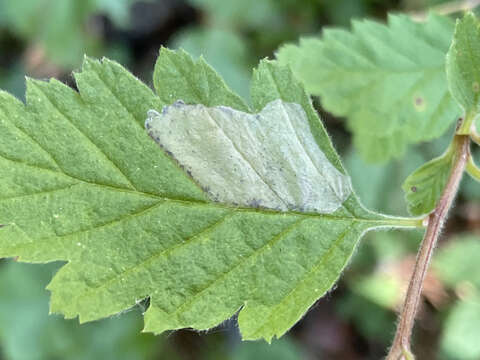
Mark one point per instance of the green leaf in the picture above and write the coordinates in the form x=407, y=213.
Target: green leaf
x=463, y=68
x=423, y=188
x=387, y=80
x=82, y=182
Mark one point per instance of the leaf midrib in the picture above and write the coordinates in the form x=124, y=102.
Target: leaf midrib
x=192, y=202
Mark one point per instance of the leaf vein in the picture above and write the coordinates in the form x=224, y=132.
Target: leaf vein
x=246, y=160
x=91, y=142
x=315, y=268
x=133, y=118
x=124, y=217
x=153, y=257
x=255, y=253
x=43, y=192
x=34, y=141
x=274, y=80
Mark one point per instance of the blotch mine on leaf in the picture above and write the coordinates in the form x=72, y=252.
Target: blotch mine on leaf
x=268, y=160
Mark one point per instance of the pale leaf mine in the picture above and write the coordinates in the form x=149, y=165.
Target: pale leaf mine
x=268, y=160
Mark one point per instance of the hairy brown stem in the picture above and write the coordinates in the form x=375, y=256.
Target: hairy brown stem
x=400, y=349
x=447, y=8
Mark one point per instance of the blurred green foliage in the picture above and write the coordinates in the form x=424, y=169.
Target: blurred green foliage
x=457, y=262
x=461, y=334
x=62, y=28
x=224, y=50
x=27, y=332
x=458, y=267
x=282, y=350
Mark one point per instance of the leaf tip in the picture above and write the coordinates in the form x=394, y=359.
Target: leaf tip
x=468, y=19
x=267, y=64
x=167, y=52
x=469, y=15
x=163, y=51
x=88, y=62
x=32, y=85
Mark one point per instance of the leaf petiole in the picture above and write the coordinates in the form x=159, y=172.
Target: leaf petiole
x=472, y=169
x=465, y=127
x=447, y=8
x=474, y=135
x=406, y=222
x=408, y=355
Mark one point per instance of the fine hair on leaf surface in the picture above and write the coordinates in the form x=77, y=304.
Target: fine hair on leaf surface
x=81, y=181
